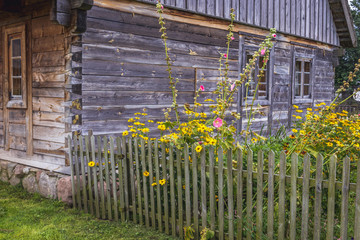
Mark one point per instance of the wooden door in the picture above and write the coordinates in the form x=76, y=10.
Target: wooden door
x=17, y=83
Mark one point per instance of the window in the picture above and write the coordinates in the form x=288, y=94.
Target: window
x=262, y=92
x=15, y=66
x=302, y=83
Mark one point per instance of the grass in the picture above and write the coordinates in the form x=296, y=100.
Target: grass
x=30, y=216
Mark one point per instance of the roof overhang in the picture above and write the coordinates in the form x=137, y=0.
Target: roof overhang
x=344, y=23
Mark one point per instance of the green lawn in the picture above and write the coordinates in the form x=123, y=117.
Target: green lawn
x=28, y=216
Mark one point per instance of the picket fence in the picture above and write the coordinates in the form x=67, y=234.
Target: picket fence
x=233, y=193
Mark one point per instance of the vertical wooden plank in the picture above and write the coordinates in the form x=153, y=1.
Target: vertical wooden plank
x=320, y=19
x=137, y=167
x=227, y=8
x=243, y=11
x=221, y=194
x=144, y=178
x=302, y=17
x=270, y=15
x=219, y=8
x=259, y=204
x=277, y=14
x=191, y=5
x=122, y=194
x=212, y=188
x=165, y=188
x=282, y=15
x=94, y=169
x=179, y=192
x=235, y=4
x=91, y=199
x=77, y=172
x=151, y=180
x=324, y=20
x=331, y=199
x=72, y=171
x=287, y=16
x=357, y=203
x=187, y=186
x=126, y=165
x=250, y=12
x=101, y=178
x=158, y=187
x=239, y=193
x=328, y=21
x=239, y=91
x=316, y=19
x=107, y=176
x=114, y=181
x=264, y=13
x=132, y=179
x=83, y=179
x=195, y=191
x=318, y=190
x=180, y=3
x=270, y=220
x=294, y=174
x=312, y=19
x=298, y=18
x=249, y=225
x=307, y=18
x=257, y=12
x=293, y=16
x=210, y=7
x=305, y=198
x=345, y=198
x=281, y=231
x=201, y=7
x=203, y=188
x=230, y=190
x=172, y=191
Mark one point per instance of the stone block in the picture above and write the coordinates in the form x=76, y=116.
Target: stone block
x=14, y=180
x=47, y=186
x=64, y=192
x=19, y=171
x=10, y=168
x=3, y=165
x=30, y=184
x=3, y=176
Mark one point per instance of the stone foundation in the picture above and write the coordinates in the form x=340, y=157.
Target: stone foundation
x=47, y=184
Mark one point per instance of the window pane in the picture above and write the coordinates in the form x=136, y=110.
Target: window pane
x=16, y=47
x=297, y=78
x=263, y=79
x=16, y=67
x=297, y=90
x=306, y=78
x=307, y=67
x=16, y=87
x=298, y=66
x=306, y=90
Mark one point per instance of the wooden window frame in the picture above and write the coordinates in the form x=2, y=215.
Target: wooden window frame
x=308, y=98
x=18, y=101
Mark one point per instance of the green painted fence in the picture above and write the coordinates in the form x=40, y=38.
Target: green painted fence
x=237, y=194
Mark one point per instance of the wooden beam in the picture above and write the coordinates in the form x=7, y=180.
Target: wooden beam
x=82, y=4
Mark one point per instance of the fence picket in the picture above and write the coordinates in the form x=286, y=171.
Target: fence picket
x=239, y=193
x=94, y=169
x=357, y=203
x=195, y=192
x=318, y=189
x=305, y=198
x=179, y=192
x=203, y=188
x=71, y=159
x=132, y=181
x=83, y=179
x=114, y=181
x=282, y=173
x=165, y=189
x=230, y=189
x=101, y=179
x=91, y=199
x=270, y=220
x=144, y=170
x=172, y=191
x=125, y=163
x=137, y=167
x=77, y=172
x=331, y=200
x=212, y=188
x=121, y=181
x=221, y=194
x=107, y=177
x=294, y=175
x=249, y=222
x=259, y=204
x=345, y=198
x=151, y=179
x=158, y=190
x=187, y=186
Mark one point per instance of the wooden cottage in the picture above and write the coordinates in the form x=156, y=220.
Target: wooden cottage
x=80, y=65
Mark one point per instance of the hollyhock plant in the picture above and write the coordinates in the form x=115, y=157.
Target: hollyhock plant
x=202, y=88
x=218, y=122
x=263, y=51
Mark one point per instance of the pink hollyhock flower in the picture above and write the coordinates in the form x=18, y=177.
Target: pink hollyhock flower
x=162, y=7
x=232, y=86
x=232, y=38
x=265, y=61
x=218, y=122
x=200, y=142
x=263, y=51
x=274, y=35
x=225, y=55
x=202, y=88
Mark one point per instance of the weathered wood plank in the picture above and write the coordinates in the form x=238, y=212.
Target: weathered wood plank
x=230, y=190
x=187, y=186
x=94, y=172
x=357, y=203
x=107, y=177
x=165, y=188
x=195, y=191
x=72, y=172
x=172, y=191
x=239, y=193
x=249, y=170
x=89, y=175
x=137, y=167
x=132, y=177
x=83, y=179
x=158, y=190
x=77, y=172
x=151, y=180
x=221, y=194
x=121, y=170
x=318, y=191
x=145, y=185
x=203, y=189
x=305, y=198
x=179, y=192
x=331, y=199
x=259, y=200
x=281, y=231
x=114, y=181
x=270, y=196
x=345, y=199
x=294, y=175
x=212, y=188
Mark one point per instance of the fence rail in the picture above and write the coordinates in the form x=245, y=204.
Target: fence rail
x=237, y=194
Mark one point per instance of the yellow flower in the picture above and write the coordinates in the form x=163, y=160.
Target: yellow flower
x=309, y=109
x=356, y=145
x=162, y=181
x=131, y=120
x=91, y=164
x=137, y=123
x=302, y=132
x=134, y=135
x=125, y=133
x=184, y=187
x=198, y=148
x=329, y=144
x=294, y=130
x=150, y=121
x=137, y=118
x=161, y=127
x=299, y=111
x=203, y=115
x=295, y=106
x=209, y=100
x=154, y=184
x=298, y=117
x=146, y=173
